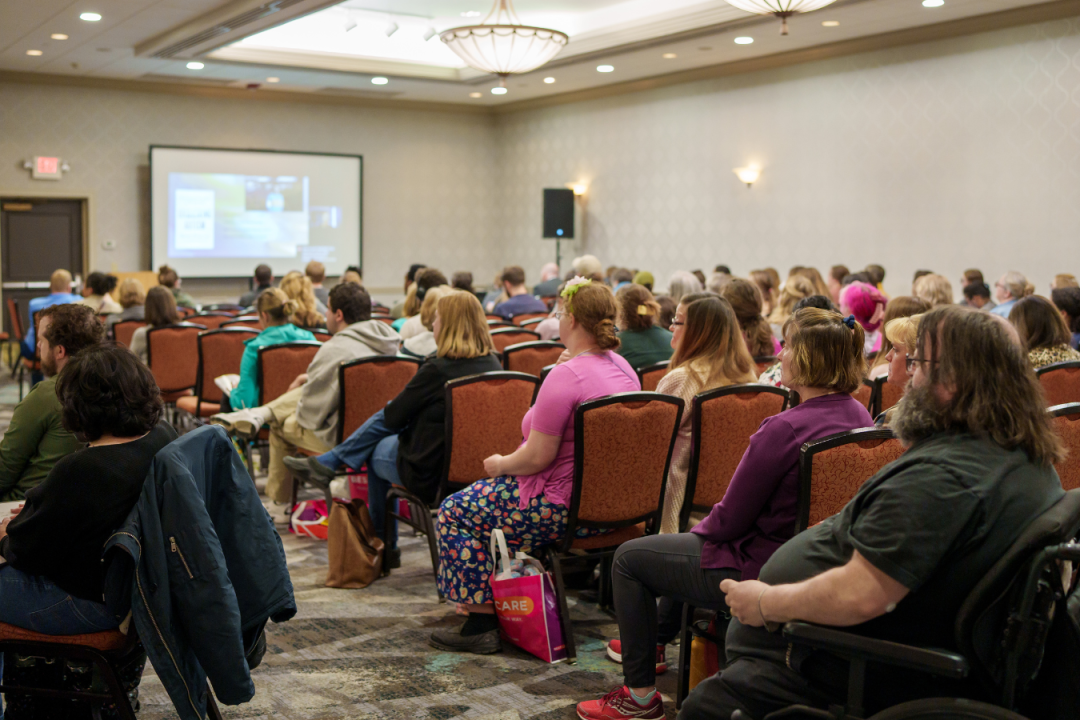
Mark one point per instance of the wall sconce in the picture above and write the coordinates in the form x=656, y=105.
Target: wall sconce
x=580, y=188
x=748, y=175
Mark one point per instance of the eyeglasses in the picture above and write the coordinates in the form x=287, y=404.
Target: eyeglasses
x=560, y=314
x=909, y=363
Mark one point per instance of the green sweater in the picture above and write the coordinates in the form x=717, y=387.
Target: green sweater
x=34, y=441
x=645, y=347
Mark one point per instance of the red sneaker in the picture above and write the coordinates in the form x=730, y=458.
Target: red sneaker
x=619, y=704
x=614, y=651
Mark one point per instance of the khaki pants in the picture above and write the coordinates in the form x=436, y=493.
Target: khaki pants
x=285, y=437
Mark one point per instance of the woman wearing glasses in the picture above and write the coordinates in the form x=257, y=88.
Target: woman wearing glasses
x=901, y=334
x=822, y=360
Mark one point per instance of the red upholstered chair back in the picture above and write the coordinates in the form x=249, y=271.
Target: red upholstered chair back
x=248, y=321
x=125, y=329
x=1067, y=423
x=497, y=318
x=367, y=384
x=483, y=417
x=212, y=320
x=890, y=394
x=723, y=421
x=622, y=450
x=530, y=324
x=832, y=470
x=15, y=319
x=764, y=363
x=519, y=319
x=504, y=337
x=227, y=308
x=651, y=375
x=320, y=335
x=865, y=394
x=278, y=365
x=531, y=357
x=220, y=352
x=186, y=312
x=1061, y=382
x=172, y=352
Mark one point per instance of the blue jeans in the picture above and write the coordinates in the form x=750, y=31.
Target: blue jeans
x=375, y=445
x=34, y=603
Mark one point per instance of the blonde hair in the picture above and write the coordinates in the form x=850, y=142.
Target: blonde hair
x=59, y=280
x=463, y=328
x=353, y=277
x=276, y=304
x=796, y=287
x=412, y=304
x=934, y=289
x=299, y=289
x=131, y=293
x=1017, y=285
x=1064, y=280
x=904, y=331
x=431, y=301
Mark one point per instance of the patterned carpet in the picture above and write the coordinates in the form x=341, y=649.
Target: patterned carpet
x=364, y=653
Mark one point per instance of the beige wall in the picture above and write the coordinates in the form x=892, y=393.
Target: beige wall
x=947, y=155
x=958, y=153
x=428, y=177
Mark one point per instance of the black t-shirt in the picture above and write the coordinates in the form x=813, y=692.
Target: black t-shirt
x=70, y=516
x=419, y=413
x=935, y=521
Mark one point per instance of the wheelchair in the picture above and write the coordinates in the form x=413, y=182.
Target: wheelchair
x=1012, y=620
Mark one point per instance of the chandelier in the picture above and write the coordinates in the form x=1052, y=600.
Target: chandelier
x=504, y=46
x=782, y=9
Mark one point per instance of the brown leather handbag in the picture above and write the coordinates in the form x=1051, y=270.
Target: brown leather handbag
x=356, y=552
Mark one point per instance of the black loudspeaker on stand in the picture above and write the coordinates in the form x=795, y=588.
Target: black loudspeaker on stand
x=558, y=217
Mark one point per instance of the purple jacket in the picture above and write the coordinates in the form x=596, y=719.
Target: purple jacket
x=757, y=514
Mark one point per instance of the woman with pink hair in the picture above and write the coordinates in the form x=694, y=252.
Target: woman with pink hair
x=867, y=304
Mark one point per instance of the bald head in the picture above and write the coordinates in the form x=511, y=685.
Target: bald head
x=549, y=272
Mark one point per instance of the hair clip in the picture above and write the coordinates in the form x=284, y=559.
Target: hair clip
x=643, y=310
x=850, y=322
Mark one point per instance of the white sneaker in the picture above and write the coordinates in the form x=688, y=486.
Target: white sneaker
x=244, y=423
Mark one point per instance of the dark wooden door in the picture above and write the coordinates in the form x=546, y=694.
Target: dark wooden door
x=37, y=236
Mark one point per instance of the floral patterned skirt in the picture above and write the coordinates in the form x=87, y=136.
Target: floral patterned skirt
x=466, y=520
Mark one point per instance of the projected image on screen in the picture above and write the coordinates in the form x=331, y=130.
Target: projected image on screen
x=218, y=213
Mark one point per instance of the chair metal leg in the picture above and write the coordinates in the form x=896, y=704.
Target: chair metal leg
x=685, y=646
x=212, y=711
x=564, y=608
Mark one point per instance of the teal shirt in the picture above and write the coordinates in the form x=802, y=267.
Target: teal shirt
x=246, y=394
x=645, y=347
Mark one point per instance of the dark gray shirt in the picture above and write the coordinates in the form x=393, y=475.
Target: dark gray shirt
x=935, y=521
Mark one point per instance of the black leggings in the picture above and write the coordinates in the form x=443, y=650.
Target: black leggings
x=667, y=566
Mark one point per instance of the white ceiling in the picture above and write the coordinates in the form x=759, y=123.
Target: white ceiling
x=314, y=53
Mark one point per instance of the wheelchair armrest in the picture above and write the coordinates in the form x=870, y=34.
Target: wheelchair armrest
x=850, y=645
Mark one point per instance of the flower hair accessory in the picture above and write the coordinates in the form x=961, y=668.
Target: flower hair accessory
x=572, y=286
x=850, y=322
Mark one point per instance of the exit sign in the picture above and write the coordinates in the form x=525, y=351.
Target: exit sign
x=46, y=168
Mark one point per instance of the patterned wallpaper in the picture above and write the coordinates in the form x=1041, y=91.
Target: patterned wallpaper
x=964, y=152
x=427, y=176
x=946, y=155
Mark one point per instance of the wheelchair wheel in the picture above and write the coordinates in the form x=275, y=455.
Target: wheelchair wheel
x=946, y=709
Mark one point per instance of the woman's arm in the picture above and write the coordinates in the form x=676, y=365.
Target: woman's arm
x=246, y=394
x=536, y=454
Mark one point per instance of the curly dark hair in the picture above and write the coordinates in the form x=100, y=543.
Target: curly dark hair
x=72, y=327
x=353, y=302
x=100, y=283
x=106, y=390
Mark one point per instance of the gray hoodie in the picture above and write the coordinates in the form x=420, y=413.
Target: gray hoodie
x=318, y=407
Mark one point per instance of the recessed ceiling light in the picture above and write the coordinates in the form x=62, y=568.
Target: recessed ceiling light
x=743, y=40
x=476, y=95
x=933, y=3
x=59, y=36
x=549, y=80
x=605, y=68
x=90, y=17
x=273, y=79
x=669, y=56
x=471, y=13
x=498, y=91
x=195, y=66
x=35, y=53
x=831, y=23
x=379, y=80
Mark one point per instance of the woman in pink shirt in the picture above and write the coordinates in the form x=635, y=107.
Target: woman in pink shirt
x=528, y=493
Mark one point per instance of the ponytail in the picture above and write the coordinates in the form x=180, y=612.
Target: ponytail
x=275, y=303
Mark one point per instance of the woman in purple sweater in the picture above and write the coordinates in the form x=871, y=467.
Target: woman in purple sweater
x=822, y=361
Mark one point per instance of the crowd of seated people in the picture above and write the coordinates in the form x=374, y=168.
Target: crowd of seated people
x=826, y=336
